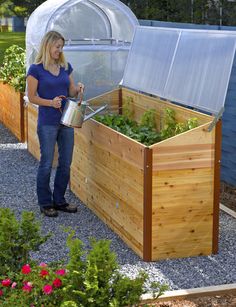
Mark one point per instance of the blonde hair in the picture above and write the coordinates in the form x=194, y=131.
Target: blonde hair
x=44, y=56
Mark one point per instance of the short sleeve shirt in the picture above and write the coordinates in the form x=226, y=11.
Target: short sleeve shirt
x=50, y=86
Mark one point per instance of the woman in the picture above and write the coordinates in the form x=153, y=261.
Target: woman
x=48, y=81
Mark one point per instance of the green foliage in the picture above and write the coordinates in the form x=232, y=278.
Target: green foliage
x=146, y=132
x=122, y=124
x=148, y=119
x=34, y=285
x=197, y=11
x=10, y=38
x=127, y=109
x=169, y=124
x=172, y=128
x=96, y=281
x=89, y=280
x=17, y=239
x=13, y=69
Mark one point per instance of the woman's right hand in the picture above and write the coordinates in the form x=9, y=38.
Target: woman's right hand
x=56, y=102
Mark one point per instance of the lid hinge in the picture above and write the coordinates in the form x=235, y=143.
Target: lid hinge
x=215, y=120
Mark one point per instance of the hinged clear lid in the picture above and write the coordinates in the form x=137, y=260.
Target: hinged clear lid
x=191, y=67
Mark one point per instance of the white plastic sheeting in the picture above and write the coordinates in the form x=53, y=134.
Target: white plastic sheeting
x=92, y=23
x=191, y=67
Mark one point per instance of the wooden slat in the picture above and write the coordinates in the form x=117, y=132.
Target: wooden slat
x=182, y=213
x=12, y=111
x=118, y=144
x=112, y=187
x=192, y=149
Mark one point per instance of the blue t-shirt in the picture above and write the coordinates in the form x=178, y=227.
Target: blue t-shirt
x=50, y=86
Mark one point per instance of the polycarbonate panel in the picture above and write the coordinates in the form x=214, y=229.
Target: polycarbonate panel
x=149, y=59
x=191, y=67
x=83, y=20
x=201, y=70
x=77, y=19
x=100, y=69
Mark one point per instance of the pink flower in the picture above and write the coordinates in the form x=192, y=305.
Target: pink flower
x=26, y=269
x=47, y=289
x=13, y=285
x=27, y=287
x=6, y=282
x=43, y=264
x=57, y=283
x=1, y=292
x=44, y=273
x=61, y=272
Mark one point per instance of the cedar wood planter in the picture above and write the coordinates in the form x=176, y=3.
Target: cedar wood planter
x=13, y=114
x=162, y=200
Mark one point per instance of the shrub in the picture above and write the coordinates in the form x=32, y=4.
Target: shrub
x=13, y=69
x=17, y=239
x=88, y=280
x=97, y=282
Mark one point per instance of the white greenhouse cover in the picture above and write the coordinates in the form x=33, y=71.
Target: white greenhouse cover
x=191, y=67
x=98, y=35
x=79, y=19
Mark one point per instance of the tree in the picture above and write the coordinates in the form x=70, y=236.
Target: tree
x=25, y=7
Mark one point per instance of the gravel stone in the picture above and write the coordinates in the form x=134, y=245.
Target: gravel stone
x=18, y=170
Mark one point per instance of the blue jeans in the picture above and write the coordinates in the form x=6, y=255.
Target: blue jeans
x=48, y=137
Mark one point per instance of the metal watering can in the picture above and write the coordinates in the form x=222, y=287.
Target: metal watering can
x=73, y=114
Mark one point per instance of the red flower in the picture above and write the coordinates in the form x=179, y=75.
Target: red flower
x=47, y=289
x=1, y=292
x=61, y=272
x=26, y=269
x=6, y=282
x=43, y=264
x=44, y=273
x=57, y=283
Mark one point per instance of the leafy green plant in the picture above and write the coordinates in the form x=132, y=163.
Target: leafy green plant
x=127, y=109
x=148, y=119
x=34, y=285
x=172, y=128
x=17, y=239
x=122, y=124
x=88, y=280
x=13, y=69
x=96, y=282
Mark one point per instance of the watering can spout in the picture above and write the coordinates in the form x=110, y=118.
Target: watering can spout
x=94, y=112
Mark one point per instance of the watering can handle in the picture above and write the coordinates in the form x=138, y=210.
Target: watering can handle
x=81, y=95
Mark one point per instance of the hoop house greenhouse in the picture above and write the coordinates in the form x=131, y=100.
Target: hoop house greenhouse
x=98, y=34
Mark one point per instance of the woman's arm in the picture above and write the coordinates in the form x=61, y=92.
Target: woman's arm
x=32, y=85
x=74, y=90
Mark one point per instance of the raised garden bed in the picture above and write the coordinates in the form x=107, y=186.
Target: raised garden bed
x=13, y=114
x=163, y=199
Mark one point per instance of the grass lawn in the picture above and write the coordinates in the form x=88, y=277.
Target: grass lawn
x=10, y=38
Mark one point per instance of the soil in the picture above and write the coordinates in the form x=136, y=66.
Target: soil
x=227, y=198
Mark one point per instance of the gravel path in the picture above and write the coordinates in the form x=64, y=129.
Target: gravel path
x=17, y=191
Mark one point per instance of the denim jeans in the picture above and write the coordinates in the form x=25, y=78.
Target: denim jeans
x=48, y=137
